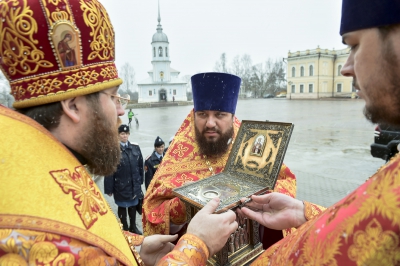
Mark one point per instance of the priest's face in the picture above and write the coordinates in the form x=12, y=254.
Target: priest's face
x=99, y=142
x=213, y=130
x=374, y=64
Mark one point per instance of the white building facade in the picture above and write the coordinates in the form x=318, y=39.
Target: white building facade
x=163, y=83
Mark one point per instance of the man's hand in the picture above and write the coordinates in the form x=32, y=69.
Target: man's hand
x=155, y=247
x=213, y=229
x=275, y=210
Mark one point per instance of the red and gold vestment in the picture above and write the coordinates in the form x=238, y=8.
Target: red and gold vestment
x=51, y=211
x=361, y=229
x=184, y=163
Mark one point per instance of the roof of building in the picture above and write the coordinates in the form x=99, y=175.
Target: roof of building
x=317, y=51
x=159, y=36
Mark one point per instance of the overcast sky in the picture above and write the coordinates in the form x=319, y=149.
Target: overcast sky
x=199, y=31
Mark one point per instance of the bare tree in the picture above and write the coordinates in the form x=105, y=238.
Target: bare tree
x=259, y=80
x=247, y=65
x=127, y=74
x=221, y=65
x=276, y=76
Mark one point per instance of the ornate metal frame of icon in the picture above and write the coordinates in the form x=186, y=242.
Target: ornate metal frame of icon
x=252, y=169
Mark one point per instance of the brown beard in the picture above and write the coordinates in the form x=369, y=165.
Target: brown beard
x=213, y=148
x=377, y=113
x=100, y=144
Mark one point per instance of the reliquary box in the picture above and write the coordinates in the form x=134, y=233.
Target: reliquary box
x=252, y=168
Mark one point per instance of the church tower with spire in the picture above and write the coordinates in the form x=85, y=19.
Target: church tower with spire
x=163, y=83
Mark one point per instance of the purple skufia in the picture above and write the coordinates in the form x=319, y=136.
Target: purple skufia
x=215, y=91
x=357, y=15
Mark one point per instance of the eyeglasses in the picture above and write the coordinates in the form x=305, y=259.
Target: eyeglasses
x=118, y=99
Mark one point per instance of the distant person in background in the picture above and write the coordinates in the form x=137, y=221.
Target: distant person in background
x=130, y=115
x=153, y=161
x=125, y=183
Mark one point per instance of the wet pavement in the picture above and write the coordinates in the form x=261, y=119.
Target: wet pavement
x=329, y=151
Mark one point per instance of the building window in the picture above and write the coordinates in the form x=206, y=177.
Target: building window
x=293, y=88
x=311, y=70
x=160, y=51
x=174, y=92
x=166, y=51
x=301, y=88
x=339, y=68
x=302, y=71
x=310, y=88
x=154, y=51
x=339, y=87
x=293, y=72
x=150, y=93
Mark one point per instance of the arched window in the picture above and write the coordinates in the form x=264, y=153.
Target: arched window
x=166, y=51
x=160, y=51
x=311, y=70
x=154, y=51
x=339, y=68
x=302, y=71
x=293, y=72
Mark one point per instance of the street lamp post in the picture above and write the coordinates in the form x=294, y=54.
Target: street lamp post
x=290, y=89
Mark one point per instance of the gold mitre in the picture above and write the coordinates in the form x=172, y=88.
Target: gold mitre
x=52, y=50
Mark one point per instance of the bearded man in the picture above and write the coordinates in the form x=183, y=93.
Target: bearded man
x=200, y=149
x=51, y=211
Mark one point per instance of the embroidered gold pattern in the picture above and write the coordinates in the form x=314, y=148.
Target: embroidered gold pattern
x=102, y=44
x=109, y=72
x=81, y=78
x=183, y=179
x=80, y=184
x=19, y=52
x=18, y=91
x=75, y=79
x=44, y=86
x=181, y=150
x=374, y=242
x=64, y=15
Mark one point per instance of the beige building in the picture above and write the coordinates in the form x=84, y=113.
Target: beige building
x=314, y=74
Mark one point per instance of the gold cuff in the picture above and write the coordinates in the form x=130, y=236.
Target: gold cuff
x=308, y=211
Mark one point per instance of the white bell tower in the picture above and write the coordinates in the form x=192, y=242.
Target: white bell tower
x=160, y=54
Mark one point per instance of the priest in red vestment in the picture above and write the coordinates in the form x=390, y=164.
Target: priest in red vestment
x=200, y=149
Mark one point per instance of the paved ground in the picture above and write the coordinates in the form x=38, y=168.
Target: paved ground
x=328, y=150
